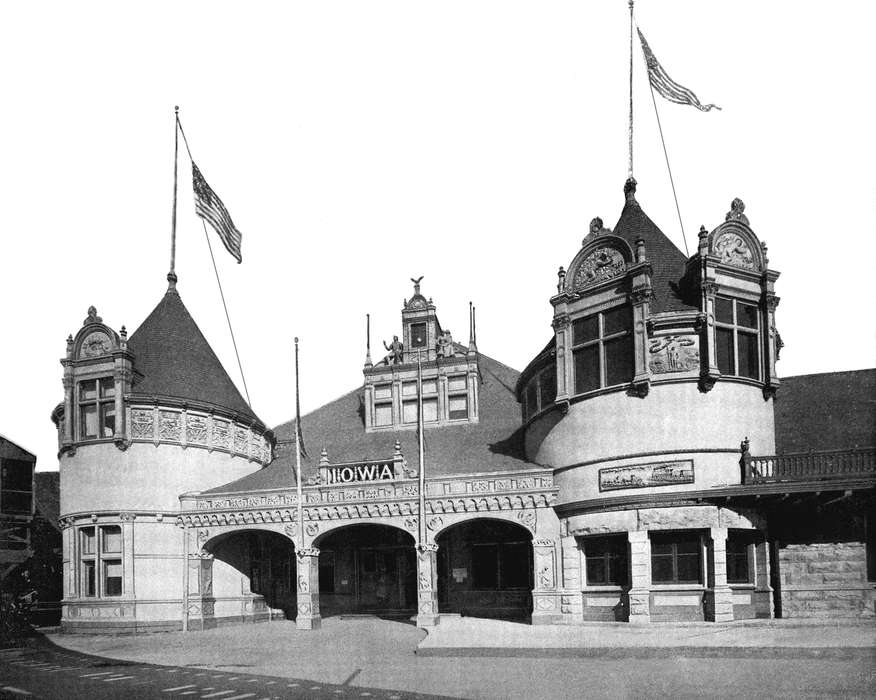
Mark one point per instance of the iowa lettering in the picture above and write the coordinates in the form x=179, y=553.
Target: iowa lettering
x=361, y=472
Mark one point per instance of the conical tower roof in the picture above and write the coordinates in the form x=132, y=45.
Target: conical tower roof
x=667, y=261
x=172, y=358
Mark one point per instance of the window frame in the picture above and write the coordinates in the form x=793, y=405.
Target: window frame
x=674, y=539
x=599, y=342
x=97, y=559
x=747, y=540
x=458, y=393
x=615, y=549
x=100, y=403
x=735, y=328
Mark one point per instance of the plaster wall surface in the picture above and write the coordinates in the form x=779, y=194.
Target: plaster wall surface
x=100, y=477
x=676, y=419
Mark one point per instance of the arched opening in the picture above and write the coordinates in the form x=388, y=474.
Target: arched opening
x=253, y=575
x=367, y=569
x=485, y=570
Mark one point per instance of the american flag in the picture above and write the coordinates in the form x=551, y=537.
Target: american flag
x=665, y=85
x=210, y=208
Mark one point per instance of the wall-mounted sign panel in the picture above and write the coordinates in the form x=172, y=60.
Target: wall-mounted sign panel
x=637, y=476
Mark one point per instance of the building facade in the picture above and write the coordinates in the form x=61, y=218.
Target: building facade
x=644, y=466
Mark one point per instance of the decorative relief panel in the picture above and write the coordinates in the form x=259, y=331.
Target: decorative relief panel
x=241, y=439
x=142, y=426
x=673, y=353
x=221, y=433
x=600, y=265
x=169, y=425
x=95, y=344
x=196, y=429
x=733, y=250
x=637, y=476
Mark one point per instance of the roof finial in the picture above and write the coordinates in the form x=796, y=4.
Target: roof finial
x=417, y=283
x=630, y=190
x=171, y=281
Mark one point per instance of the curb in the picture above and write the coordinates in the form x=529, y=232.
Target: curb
x=711, y=652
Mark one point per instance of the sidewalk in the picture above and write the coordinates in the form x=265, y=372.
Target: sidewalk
x=466, y=636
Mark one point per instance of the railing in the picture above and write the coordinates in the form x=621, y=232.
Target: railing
x=808, y=466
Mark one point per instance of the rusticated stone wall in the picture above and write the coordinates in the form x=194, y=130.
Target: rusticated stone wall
x=825, y=579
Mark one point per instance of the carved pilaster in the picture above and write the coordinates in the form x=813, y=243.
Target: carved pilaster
x=309, y=617
x=771, y=346
x=562, y=324
x=427, y=585
x=708, y=351
x=68, y=404
x=544, y=596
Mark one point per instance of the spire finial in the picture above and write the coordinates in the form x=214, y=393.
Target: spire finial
x=368, y=362
x=630, y=190
x=171, y=281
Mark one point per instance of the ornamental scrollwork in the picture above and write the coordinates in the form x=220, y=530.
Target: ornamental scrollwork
x=142, y=426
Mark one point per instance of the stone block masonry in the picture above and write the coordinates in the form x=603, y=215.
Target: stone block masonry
x=826, y=579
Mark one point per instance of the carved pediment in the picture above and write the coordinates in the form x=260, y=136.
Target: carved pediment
x=732, y=249
x=95, y=344
x=601, y=264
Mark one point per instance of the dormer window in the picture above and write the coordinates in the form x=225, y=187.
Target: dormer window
x=97, y=408
x=602, y=348
x=736, y=338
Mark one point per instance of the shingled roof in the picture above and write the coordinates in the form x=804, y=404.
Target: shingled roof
x=667, y=261
x=494, y=444
x=831, y=411
x=172, y=358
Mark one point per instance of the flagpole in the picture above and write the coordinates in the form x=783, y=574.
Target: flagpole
x=298, y=457
x=172, y=274
x=631, y=89
x=421, y=449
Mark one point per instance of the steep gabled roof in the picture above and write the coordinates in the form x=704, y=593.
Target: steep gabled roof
x=667, y=261
x=172, y=358
x=494, y=444
x=831, y=411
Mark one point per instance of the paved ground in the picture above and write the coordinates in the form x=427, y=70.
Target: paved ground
x=364, y=654
x=43, y=670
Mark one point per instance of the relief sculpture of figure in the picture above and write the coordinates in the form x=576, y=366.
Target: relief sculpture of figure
x=395, y=350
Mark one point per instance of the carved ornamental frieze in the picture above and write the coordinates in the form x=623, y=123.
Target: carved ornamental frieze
x=673, y=353
x=600, y=265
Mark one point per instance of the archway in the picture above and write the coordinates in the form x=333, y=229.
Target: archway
x=485, y=569
x=367, y=569
x=253, y=574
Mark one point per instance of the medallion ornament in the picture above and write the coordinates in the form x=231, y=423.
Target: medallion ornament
x=600, y=265
x=733, y=250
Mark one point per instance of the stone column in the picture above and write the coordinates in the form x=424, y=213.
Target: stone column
x=308, y=589
x=706, y=326
x=564, y=368
x=719, y=597
x=545, y=599
x=762, y=573
x=640, y=576
x=427, y=585
x=572, y=605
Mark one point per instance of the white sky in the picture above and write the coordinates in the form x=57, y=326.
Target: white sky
x=358, y=144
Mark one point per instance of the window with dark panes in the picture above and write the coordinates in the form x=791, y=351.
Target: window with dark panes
x=515, y=565
x=88, y=562
x=458, y=407
x=602, y=349
x=736, y=338
x=97, y=408
x=606, y=559
x=418, y=335
x=676, y=558
x=547, y=386
x=740, y=546
x=16, y=486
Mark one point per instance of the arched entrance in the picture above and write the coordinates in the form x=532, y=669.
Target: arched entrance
x=253, y=575
x=485, y=569
x=367, y=569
